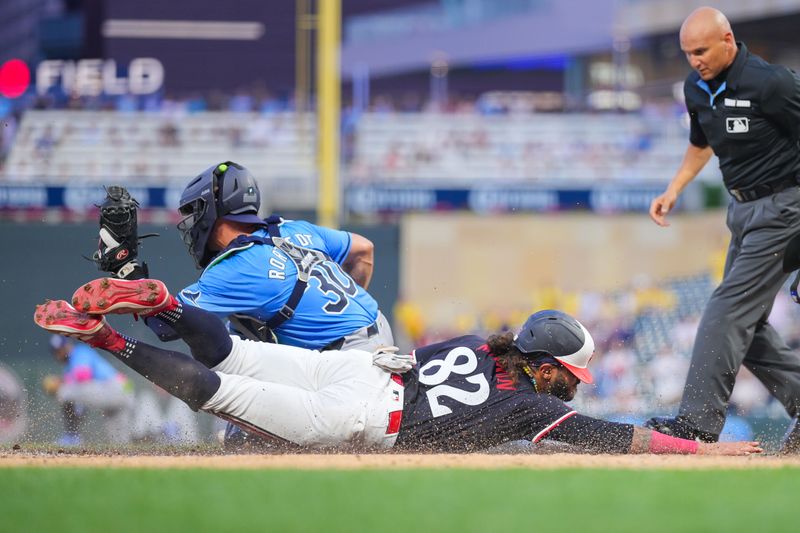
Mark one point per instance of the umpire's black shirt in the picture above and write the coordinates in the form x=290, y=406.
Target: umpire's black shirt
x=750, y=116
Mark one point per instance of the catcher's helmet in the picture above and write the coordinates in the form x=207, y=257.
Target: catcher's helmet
x=228, y=191
x=560, y=336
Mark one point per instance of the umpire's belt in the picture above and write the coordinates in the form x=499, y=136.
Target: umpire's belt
x=763, y=189
x=370, y=331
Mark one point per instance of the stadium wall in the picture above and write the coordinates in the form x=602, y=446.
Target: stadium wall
x=469, y=264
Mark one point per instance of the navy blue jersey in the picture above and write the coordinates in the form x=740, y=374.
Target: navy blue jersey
x=459, y=399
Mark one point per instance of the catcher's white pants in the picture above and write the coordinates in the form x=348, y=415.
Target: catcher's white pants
x=311, y=398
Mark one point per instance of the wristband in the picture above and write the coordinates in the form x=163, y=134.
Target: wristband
x=660, y=443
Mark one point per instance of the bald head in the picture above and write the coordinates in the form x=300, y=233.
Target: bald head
x=705, y=21
x=707, y=40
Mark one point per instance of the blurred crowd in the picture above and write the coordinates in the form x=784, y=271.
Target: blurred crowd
x=376, y=143
x=589, y=147
x=255, y=99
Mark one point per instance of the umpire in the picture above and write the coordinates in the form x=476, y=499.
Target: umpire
x=746, y=112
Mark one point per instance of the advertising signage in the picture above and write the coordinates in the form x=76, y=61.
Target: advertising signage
x=84, y=77
x=93, y=77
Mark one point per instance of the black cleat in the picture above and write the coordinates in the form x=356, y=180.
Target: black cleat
x=678, y=427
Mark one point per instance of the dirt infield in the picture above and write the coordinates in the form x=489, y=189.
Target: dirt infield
x=392, y=461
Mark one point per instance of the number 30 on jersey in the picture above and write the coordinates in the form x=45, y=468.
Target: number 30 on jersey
x=442, y=368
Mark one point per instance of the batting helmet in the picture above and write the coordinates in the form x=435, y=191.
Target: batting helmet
x=560, y=336
x=228, y=191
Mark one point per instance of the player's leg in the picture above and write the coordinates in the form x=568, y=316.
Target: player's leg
x=287, y=365
x=177, y=373
x=208, y=340
x=181, y=375
x=683, y=426
x=350, y=406
x=205, y=334
x=777, y=366
x=752, y=279
x=211, y=344
x=274, y=363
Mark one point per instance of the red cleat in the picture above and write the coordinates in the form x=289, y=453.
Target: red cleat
x=60, y=317
x=120, y=296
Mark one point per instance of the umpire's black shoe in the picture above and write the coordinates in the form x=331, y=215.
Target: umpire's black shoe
x=791, y=441
x=678, y=427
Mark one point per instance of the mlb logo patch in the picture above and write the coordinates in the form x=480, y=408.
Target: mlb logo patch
x=737, y=124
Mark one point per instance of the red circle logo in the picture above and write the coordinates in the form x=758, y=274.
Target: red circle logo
x=15, y=78
x=122, y=254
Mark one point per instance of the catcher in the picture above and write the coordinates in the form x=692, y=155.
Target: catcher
x=256, y=272
x=460, y=395
x=290, y=282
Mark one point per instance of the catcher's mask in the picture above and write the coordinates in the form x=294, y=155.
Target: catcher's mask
x=561, y=337
x=228, y=191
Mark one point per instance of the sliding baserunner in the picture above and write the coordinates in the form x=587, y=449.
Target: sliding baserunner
x=460, y=395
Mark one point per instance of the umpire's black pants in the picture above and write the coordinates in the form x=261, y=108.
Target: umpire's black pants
x=733, y=330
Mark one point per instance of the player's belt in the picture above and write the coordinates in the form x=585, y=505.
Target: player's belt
x=370, y=331
x=395, y=417
x=763, y=189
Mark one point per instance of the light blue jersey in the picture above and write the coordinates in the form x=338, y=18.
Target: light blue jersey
x=256, y=280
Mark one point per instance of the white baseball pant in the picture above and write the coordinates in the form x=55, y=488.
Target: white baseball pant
x=314, y=399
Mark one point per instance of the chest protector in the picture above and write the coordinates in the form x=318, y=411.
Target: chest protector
x=304, y=259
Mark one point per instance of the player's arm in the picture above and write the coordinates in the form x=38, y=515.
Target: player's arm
x=694, y=159
x=602, y=436
x=354, y=252
x=649, y=441
x=360, y=261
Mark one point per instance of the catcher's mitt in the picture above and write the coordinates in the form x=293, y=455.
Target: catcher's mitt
x=118, y=246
